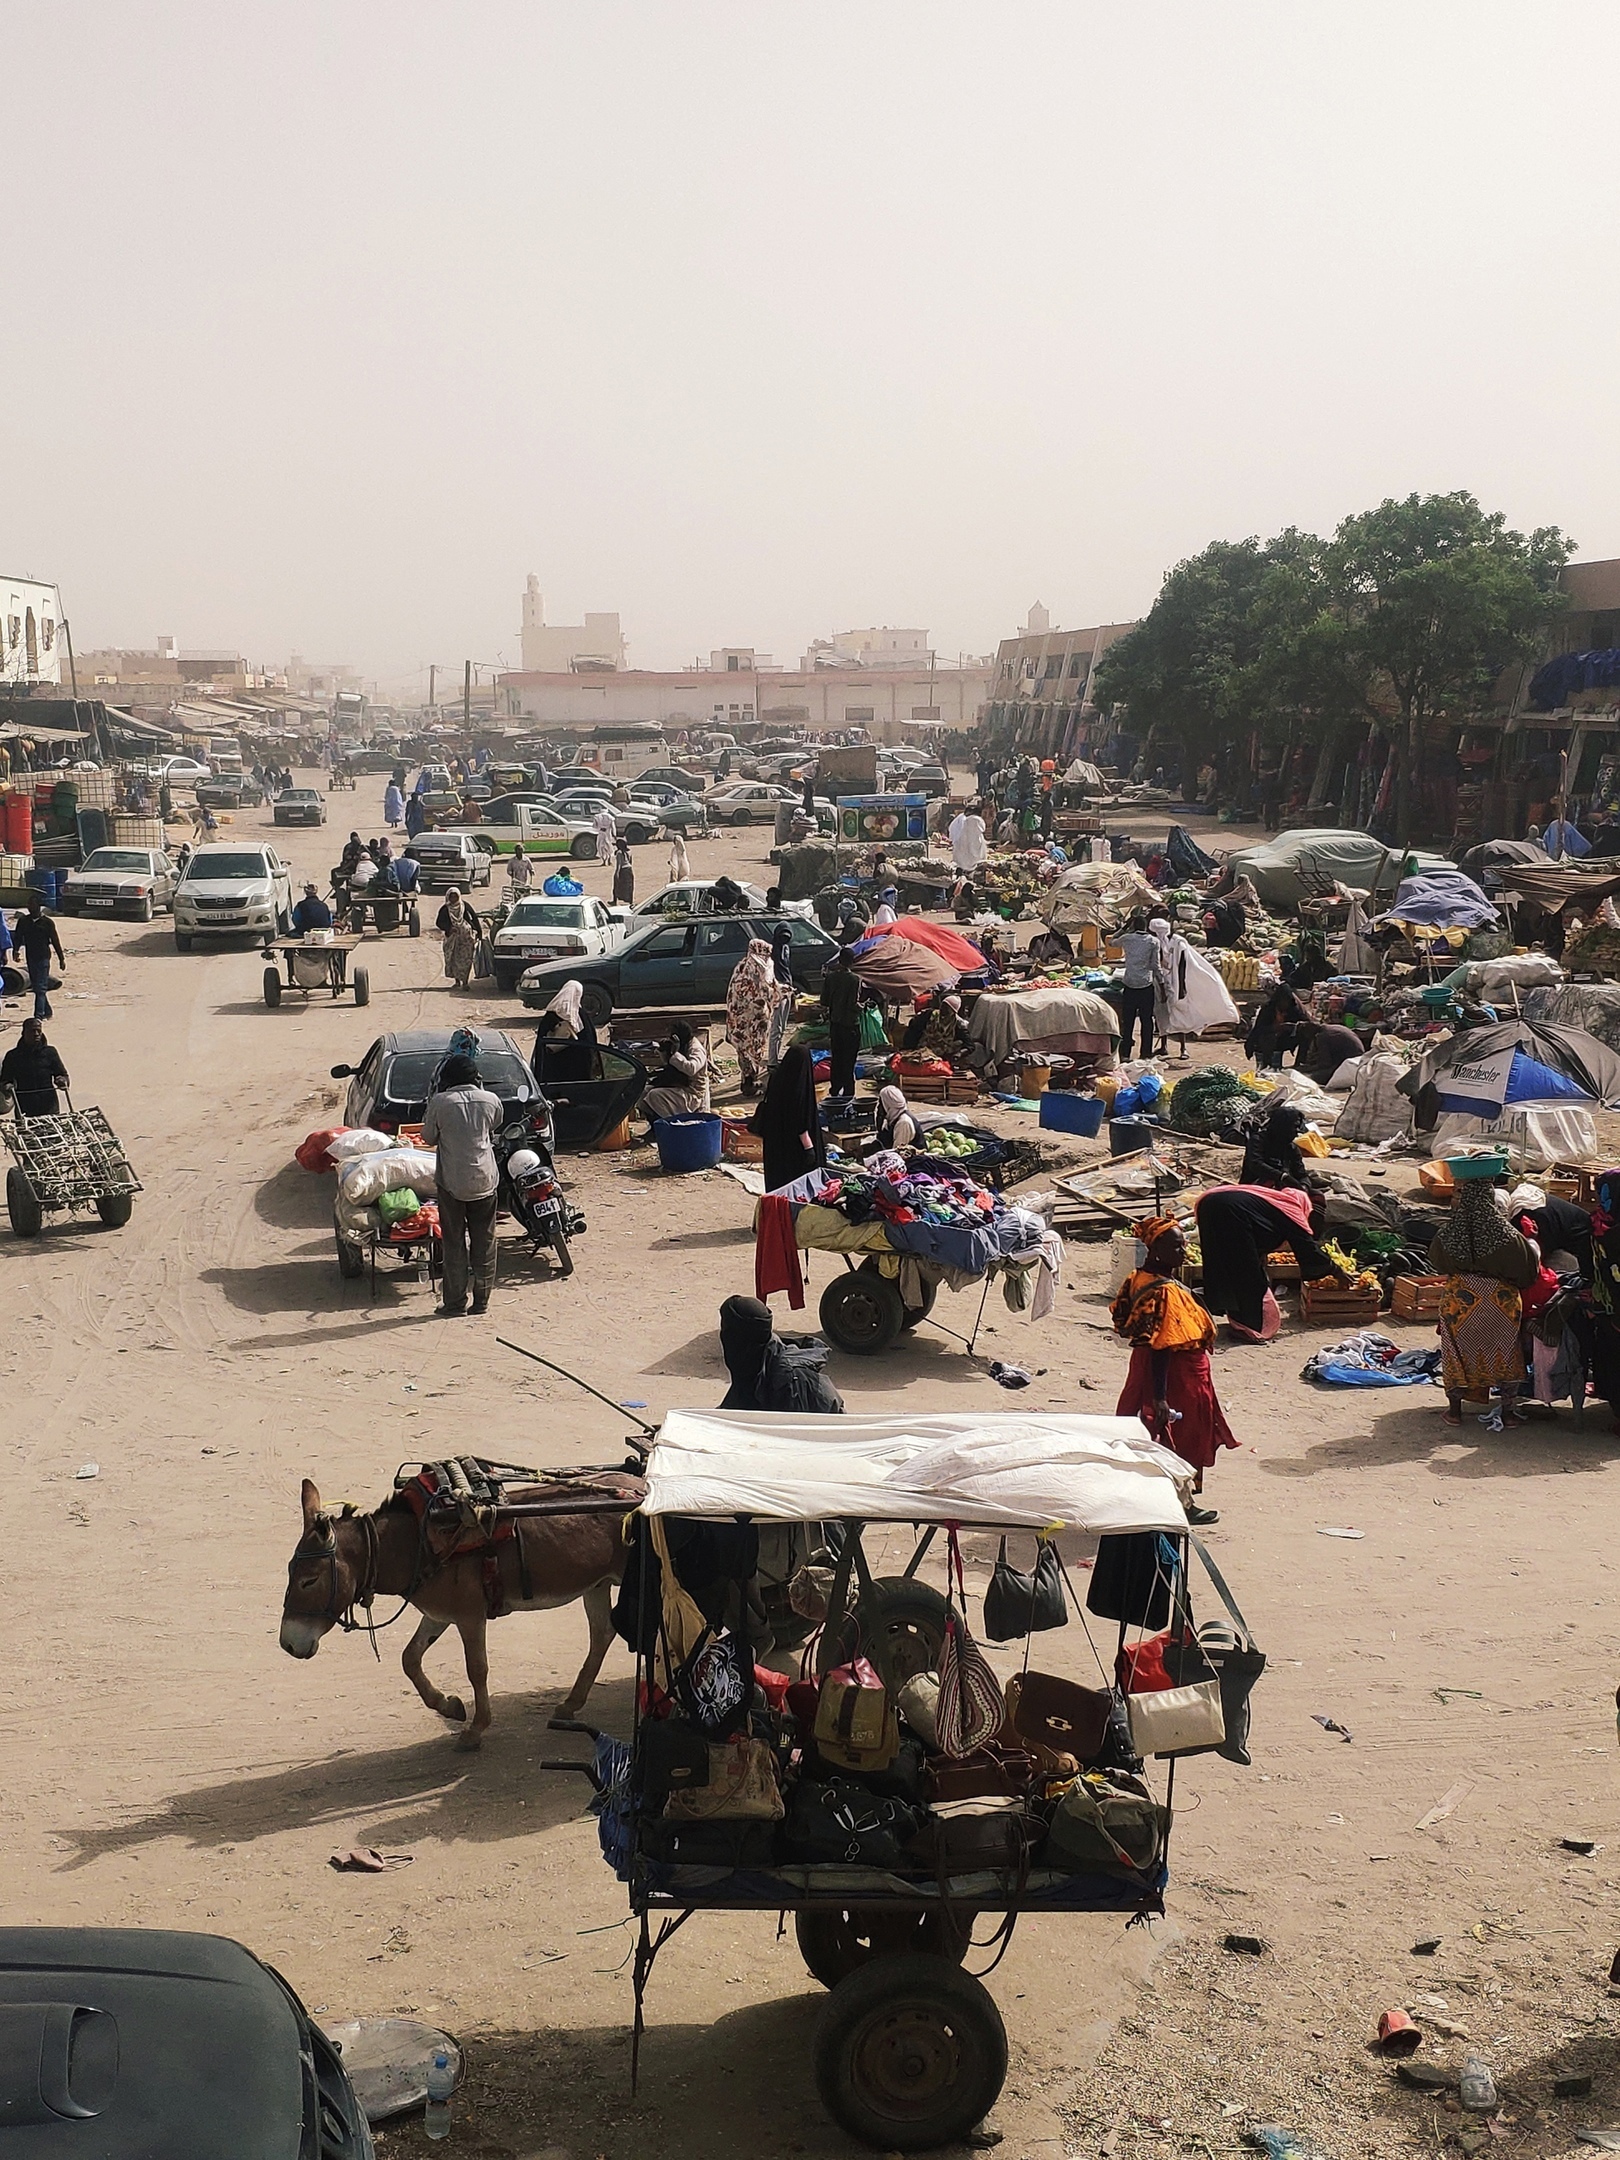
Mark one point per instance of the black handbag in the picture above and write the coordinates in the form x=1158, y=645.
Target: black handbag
x=1016, y=1605
x=717, y=1841
x=840, y=1823
x=715, y=1686
x=672, y=1756
x=1227, y=1654
x=1133, y=1579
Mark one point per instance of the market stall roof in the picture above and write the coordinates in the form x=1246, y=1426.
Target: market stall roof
x=1502, y=856
x=1097, y=892
x=899, y=969
x=1552, y=886
x=1086, y=1473
x=1001, y=1020
x=952, y=947
x=1439, y=900
x=1285, y=870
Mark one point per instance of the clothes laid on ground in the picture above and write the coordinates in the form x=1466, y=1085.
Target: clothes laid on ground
x=1369, y=1359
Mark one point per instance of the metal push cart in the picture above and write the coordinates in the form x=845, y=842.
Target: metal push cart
x=910, y=2050
x=325, y=966
x=66, y=1162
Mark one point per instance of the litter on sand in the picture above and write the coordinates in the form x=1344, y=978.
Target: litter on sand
x=1329, y=1724
x=1608, y=2140
x=367, y=1860
x=1008, y=1376
x=1324, y=1530
x=1585, y=1846
x=88, y=1470
x=1245, y=1945
x=1445, y=1805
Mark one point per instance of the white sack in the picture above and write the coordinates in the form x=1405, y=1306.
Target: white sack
x=1538, y=1138
x=360, y=1141
x=368, y=1176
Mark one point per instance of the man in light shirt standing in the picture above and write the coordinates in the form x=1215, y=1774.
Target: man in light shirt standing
x=969, y=846
x=607, y=832
x=461, y=1121
x=1144, y=971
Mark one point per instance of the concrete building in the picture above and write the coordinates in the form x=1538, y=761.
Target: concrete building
x=30, y=623
x=888, y=702
x=559, y=648
x=1038, y=697
x=883, y=648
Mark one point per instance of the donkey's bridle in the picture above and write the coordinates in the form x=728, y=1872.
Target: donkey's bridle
x=336, y=1611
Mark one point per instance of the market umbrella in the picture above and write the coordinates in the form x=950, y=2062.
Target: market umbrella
x=1569, y=1052
x=898, y=969
x=961, y=953
x=1508, y=1079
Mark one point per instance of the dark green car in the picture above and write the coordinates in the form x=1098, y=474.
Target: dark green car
x=678, y=963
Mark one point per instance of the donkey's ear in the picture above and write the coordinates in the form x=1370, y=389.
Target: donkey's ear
x=312, y=1503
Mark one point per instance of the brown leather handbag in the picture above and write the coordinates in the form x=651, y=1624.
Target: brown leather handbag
x=1062, y=1715
x=988, y=1773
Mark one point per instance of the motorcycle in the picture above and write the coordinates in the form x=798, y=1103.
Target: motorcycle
x=528, y=1189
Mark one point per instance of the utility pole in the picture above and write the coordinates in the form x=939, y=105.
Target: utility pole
x=433, y=678
x=73, y=673
x=466, y=695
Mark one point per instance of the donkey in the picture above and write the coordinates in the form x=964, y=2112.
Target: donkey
x=344, y=1561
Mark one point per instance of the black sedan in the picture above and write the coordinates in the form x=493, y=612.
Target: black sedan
x=389, y=1087
x=229, y=791
x=299, y=806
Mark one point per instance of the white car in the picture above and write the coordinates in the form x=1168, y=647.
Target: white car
x=232, y=890
x=746, y=802
x=539, y=929
x=462, y=858
x=178, y=771
x=120, y=881
x=691, y=897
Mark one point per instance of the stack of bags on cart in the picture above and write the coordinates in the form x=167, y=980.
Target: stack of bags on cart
x=951, y=1775
x=384, y=1189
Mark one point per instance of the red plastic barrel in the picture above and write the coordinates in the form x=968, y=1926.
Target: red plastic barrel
x=19, y=825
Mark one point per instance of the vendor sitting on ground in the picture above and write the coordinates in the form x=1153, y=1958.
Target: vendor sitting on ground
x=1225, y=922
x=680, y=1087
x=771, y=1374
x=936, y=1029
x=34, y=1071
x=1272, y=1155
x=311, y=913
x=895, y=1127
x=1320, y=1051
x=1169, y=1385
x=1050, y=948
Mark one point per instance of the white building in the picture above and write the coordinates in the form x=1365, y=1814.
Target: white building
x=886, y=701
x=558, y=648
x=883, y=648
x=30, y=626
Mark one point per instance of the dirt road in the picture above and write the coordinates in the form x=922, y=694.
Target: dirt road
x=167, y=1764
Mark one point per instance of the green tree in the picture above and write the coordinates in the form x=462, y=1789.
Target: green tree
x=1407, y=616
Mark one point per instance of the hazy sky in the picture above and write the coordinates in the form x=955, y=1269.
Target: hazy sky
x=329, y=322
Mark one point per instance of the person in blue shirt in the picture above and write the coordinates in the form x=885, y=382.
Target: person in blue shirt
x=311, y=913
x=1563, y=838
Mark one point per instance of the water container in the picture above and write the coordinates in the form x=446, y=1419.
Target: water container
x=441, y=2085
x=19, y=825
x=43, y=882
x=688, y=1143
x=1068, y=1112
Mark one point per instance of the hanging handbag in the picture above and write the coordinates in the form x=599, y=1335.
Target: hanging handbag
x=671, y=1756
x=716, y=1684
x=1178, y=1720
x=1133, y=1578
x=1231, y=1655
x=741, y=1786
x=1061, y=1715
x=856, y=1727
x=1016, y=1605
x=970, y=1701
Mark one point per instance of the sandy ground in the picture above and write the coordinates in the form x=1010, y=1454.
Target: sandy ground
x=167, y=1765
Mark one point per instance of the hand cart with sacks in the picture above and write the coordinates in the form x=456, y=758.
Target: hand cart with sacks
x=65, y=1162
x=904, y=1791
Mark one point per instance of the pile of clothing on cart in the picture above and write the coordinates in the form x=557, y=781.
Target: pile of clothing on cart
x=940, y=1224
x=899, y=1749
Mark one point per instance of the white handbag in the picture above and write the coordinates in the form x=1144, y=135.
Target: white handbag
x=1178, y=1720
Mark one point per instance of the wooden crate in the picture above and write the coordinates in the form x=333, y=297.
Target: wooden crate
x=1282, y=1267
x=959, y=1088
x=1328, y=1303
x=1417, y=1297
x=1568, y=1181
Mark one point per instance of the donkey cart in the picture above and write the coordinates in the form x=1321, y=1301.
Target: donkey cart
x=739, y=1806
x=70, y=1161
x=315, y=963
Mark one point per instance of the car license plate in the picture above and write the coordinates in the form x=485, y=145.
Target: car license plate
x=98, y=903
x=536, y=952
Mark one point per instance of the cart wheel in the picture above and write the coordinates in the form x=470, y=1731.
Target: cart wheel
x=915, y=1315
x=357, y=921
x=272, y=986
x=910, y=2053
x=351, y=1260
x=861, y=1313
x=912, y=1617
x=362, y=987
x=116, y=1208
x=836, y=1941
x=562, y=1251
x=415, y=921
x=22, y=1203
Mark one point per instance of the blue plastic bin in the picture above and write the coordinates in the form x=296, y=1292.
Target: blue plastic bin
x=1062, y=1111
x=687, y=1143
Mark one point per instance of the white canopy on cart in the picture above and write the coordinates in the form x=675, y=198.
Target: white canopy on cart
x=1033, y=1471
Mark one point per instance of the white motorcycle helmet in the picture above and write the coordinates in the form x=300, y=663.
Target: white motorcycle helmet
x=523, y=1162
